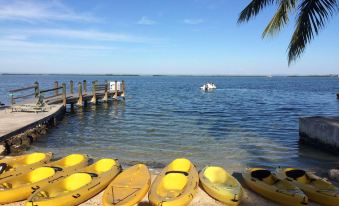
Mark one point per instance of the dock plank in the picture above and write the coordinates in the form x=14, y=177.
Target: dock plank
x=14, y=122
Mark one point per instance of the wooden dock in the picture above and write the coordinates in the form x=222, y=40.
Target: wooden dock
x=82, y=96
x=14, y=122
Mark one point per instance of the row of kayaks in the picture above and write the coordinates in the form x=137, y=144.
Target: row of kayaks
x=70, y=181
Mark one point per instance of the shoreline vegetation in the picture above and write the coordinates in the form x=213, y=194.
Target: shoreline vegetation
x=168, y=75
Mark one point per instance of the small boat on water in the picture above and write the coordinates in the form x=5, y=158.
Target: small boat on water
x=208, y=86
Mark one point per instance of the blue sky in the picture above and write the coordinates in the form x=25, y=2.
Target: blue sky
x=151, y=37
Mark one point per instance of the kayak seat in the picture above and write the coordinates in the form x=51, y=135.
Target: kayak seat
x=34, y=158
x=172, y=185
x=76, y=181
x=40, y=174
x=261, y=174
x=182, y=165
x=215, y=175
x=103, y=165
x=299, y=175
x=71, y=160
x=294, y=174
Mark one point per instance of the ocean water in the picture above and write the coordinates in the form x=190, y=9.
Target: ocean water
x=247, y=121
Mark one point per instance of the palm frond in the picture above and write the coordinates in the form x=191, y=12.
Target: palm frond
x=312, y=17
x=252, y=9
x=281, y=17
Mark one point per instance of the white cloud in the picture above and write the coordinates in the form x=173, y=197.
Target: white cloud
x=25, y=46
x=92, y=35
x=146, y=21
x=31, y=11
x=193, y=21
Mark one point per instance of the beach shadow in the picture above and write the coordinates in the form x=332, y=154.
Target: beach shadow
x=238, y=176
x=143, y=203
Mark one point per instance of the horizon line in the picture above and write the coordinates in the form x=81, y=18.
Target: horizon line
x=197, y=75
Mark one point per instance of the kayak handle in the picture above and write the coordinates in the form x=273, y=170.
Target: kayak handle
x=57, y=169
x=3, y=167
x=177, y=172
x=91, y=174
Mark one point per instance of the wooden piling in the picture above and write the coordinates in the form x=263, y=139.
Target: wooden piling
x=94, y=98
x=123, y=88
x=85, y=86
x=338, y=95
x=80, y=94
x=56, y=91
x=71, y=87
x=12, y=99
x=64, y=96
x=115, y=90
x=36, y=89
x=105, y=98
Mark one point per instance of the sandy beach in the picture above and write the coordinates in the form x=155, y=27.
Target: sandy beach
x=201, y=199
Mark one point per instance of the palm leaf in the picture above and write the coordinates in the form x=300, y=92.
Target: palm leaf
x=312, y=16
x=281, y=17
x=253, y=9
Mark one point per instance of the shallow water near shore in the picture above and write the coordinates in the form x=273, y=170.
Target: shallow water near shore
x=247, y=121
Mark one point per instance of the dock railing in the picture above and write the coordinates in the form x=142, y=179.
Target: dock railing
x=58, y=94
x=24, y=93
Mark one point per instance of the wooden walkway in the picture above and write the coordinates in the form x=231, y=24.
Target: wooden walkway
x=55, y=101
x=13, y=123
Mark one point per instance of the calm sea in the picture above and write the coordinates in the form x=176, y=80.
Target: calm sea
x=247, y=121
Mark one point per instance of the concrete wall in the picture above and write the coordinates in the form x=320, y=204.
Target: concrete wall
x=320, y=131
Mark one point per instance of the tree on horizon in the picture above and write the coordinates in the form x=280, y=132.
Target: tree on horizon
x=311, y=17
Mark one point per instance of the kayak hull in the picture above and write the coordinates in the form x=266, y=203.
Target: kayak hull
x=129, y=187
x=78, y=187
x=21, y=186
x=176, y=185
x=273, y=188
x=316, y=188
x=22, y=164
x=221, y=185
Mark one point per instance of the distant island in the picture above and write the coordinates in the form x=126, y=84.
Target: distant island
x=178, y=75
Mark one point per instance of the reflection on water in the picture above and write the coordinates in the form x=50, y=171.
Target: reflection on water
x=245, y=122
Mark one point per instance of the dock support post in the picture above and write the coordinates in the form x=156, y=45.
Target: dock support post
x=105, y=99
x=115, y=90
x=338, y=95
x=71, y=87
x=64, y=102
x=36, y=89
x=85, y=86
x=56, y=85
x=123, y=88
x=12, y=99
x=80, y=94
x=94, y=98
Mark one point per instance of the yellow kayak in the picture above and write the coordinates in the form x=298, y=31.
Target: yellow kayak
x=10, y=166
x=220, y=185
x=77, y=187
x=176, y=185
x=21, y=186
x=71, y=162
x=268, y=185
x=316, y=188
x=129, y=187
